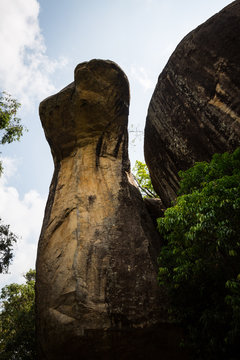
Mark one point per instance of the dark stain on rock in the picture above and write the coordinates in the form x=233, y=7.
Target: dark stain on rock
x=98, y=150
x=91, y=199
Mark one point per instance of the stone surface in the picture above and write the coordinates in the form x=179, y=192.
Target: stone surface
x=96, y=291
x=155, y=208
x=195, y=109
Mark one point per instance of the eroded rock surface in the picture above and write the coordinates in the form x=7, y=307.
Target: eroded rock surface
x=96, y=264
x=195, y=108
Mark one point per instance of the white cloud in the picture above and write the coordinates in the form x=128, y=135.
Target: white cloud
x=24, y=65
x=141, y=76
x=25, y=219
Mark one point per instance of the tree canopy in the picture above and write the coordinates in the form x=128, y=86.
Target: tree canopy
x=200, y=261
x=142, y=177
x=10, y=125
x=7, y=240
x=17, y=320
x=11, y=130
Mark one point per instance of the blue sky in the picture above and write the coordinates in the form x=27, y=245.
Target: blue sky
x=41, y=43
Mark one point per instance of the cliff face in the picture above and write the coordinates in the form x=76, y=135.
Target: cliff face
x=195, y=109
x=96, y=262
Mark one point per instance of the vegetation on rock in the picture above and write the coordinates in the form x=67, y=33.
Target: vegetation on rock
x=200, y=261
x=17, y=320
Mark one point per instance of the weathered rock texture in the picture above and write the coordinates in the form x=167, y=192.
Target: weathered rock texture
x=195, y=108
x=96, y=293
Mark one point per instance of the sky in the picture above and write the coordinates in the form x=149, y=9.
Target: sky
x=41, y=43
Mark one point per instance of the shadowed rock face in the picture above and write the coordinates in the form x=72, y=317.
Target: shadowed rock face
x=195, y=108
x=96, y=264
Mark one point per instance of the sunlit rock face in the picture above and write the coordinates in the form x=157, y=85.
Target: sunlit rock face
x=195, y=109
x=97, y=256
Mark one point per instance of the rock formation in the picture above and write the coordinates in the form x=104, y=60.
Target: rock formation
x=96, y=292
x=195, y=109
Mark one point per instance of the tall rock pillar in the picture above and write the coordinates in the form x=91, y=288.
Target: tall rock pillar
x=96, y=262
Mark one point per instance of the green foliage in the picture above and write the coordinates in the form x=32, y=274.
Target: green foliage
x=17, y=320
x=202, y=173
x=7, y=240
x=9, y=122
x=142, y=177
x=11, y=128
x=200, y=261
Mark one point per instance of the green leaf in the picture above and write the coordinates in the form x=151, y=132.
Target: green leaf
x=142, y=177
x=201, y=256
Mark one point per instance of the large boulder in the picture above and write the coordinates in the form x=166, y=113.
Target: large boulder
x=97, y=295
x=195, y=109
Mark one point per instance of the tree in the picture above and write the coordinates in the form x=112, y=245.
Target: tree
x=142, y=177
x=17, y=320
x=200, y=259
x=7, y=239
x=11, y=130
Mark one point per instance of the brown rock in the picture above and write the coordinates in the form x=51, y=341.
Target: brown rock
x=195, y=108
x=155, y=208
x=96, y=292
